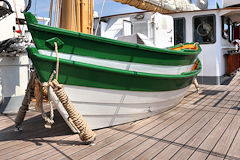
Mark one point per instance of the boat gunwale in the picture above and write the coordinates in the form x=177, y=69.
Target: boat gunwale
x=34, y=52
x=32, y=24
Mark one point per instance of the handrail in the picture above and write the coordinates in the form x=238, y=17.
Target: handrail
x=9, y=6
x=28, y=6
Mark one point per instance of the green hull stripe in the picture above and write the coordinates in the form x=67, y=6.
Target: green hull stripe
x=82, y=74
x=99, y=47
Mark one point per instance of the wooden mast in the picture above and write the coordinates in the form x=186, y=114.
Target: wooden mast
x=77, y=15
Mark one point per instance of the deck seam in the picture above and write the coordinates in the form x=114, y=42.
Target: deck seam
x=209, y=133
x=168, y=133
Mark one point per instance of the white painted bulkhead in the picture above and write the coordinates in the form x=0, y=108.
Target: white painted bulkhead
x=1, y=91
x=212, y=55
x=14, y=68
x=157, y=28
x=6, y=24
x=14, y=72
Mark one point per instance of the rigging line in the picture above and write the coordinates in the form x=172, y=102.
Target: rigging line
x=17, y=16
x=35, y=9
x=99, y=18
x=28, y=6
x=8, y=4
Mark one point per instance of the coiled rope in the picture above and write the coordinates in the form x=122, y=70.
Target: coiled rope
x=83, y=129
x=75, y=118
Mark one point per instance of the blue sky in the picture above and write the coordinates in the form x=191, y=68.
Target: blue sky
x=110, y=7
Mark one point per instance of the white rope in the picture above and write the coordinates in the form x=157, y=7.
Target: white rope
x=35, y=9
x=99, y=18
x=57, y=64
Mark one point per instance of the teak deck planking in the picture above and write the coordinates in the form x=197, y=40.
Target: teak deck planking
x=202, y=126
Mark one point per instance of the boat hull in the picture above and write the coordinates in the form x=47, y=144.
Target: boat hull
x=85, y=45
x=109, y=96
x=105, y=107
x=130, y=66
x=88, y=75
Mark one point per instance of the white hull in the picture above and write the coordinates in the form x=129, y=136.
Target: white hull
x=104, y=107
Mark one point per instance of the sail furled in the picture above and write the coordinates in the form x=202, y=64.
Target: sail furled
x=162, y=6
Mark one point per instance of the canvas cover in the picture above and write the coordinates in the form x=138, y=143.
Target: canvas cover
x=162, y=6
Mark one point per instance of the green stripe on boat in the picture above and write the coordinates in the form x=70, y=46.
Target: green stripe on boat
x=82, y=74
x=99, y=47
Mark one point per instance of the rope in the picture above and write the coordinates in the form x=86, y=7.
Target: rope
x=35, y=9
x=25, y=103
x=75, y=118
x=57, y=64
x=17, y=17
x=49, y=120
x=85, y=133
x=99, y=18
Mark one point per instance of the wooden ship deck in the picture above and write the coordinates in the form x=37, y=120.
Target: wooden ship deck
x=202, y=126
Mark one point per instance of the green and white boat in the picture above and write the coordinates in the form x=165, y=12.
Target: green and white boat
x=112, y=53
x=109, y=96
x=112, y=82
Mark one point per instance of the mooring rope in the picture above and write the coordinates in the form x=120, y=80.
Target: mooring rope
x=26, y=101
x=76, y=119
x=85, y=133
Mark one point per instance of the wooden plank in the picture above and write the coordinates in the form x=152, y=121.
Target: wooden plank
x=16, y=150
x=235, y=147
x=167, y=153
x=182, y=154
x=212, y=157
x=54, y=148
x=198, y=155
x=186, y=126
x=214, y=136
x=104, y=150
x=151, y=152
x=196, y=140
x=121, y=132
x=185, y=137
x=32, y=130
x=136, y=150
x=134, y=142
x=226, y=140
x=50, y=148
x=177, y=137
x=115, y=130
